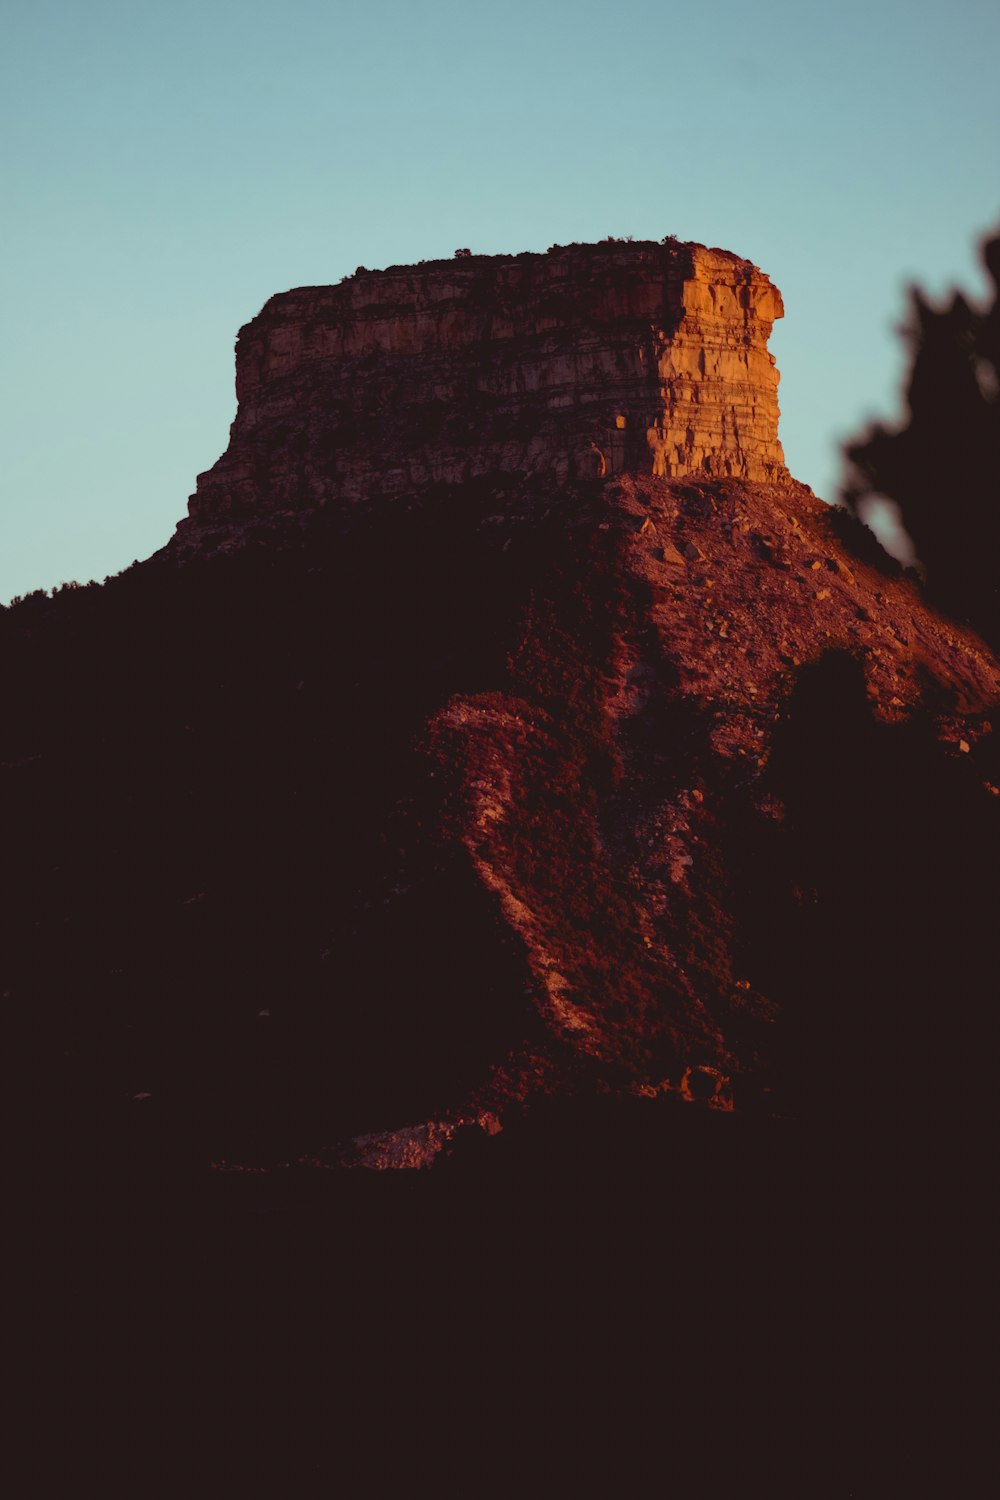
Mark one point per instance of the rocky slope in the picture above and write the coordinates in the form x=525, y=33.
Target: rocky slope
x=611, y=793
x=336, y=853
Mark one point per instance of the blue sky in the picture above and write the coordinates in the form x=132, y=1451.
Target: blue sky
x=168, y=166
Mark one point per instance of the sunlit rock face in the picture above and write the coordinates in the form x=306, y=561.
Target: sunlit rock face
x=585, y=362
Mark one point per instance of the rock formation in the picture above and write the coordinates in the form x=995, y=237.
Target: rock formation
x=620, y=845
x=591, y=436
x=588, y=361
x=475, y=724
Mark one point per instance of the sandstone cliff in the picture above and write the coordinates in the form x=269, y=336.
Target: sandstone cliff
x=590, y=360
x=619, y=845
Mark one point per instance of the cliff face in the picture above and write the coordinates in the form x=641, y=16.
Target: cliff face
x=581, y=363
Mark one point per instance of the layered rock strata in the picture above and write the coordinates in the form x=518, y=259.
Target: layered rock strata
x=584, y=362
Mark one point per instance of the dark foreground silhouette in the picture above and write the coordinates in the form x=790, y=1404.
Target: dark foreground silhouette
x=942, y=466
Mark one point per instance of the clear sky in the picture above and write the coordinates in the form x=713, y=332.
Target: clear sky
x=168, y=164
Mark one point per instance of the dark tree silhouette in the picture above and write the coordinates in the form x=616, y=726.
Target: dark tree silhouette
x=942, y=467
